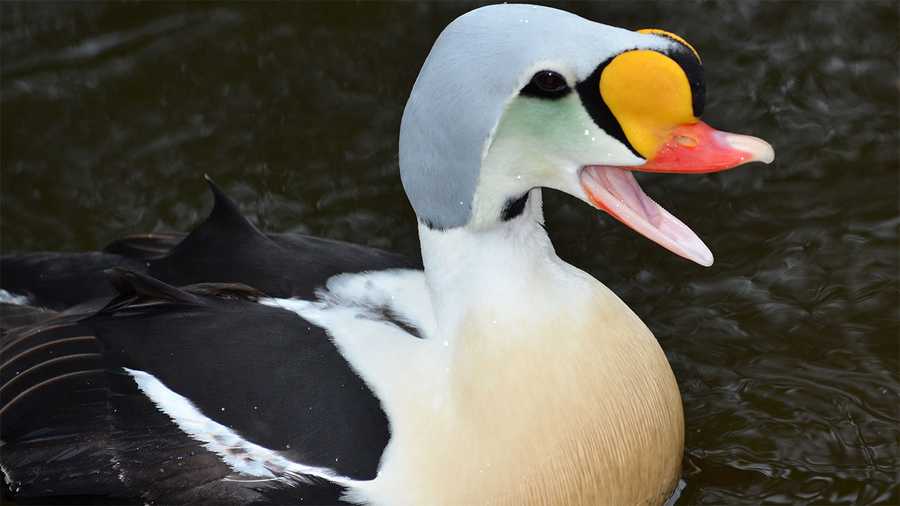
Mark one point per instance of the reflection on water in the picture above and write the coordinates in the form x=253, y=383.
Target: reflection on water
x=786, y=350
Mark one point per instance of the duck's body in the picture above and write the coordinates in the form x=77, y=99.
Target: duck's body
x=374, y=347
x=498, y=374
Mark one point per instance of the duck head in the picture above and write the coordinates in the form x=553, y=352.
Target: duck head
x=514, y=98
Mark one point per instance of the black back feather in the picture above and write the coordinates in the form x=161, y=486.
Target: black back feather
x=225, y=248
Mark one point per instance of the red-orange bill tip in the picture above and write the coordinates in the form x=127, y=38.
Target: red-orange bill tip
x=698, y=148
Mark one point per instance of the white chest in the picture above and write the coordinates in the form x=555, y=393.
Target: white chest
x=566, y=405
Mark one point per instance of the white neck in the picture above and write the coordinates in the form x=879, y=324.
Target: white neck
x=493, y=269
x=538, y=371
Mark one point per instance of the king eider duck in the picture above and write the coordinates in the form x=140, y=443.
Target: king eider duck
x=230, y=366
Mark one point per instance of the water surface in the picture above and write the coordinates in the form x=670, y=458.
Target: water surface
x=786, y=350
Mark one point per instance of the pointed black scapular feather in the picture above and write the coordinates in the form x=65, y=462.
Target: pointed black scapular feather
x=226, y=247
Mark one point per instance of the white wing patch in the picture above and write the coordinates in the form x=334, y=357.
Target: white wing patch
x=398, y=293
x=8, y=481
x=360, y=311
x=11, y=298
x=239, y=454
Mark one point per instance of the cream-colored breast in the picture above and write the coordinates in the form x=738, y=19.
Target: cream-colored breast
x=574, y=405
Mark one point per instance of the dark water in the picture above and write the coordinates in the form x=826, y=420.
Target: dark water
x=786, y=350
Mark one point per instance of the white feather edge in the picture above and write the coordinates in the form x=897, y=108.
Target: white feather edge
x=11, y=298
x=254, y=460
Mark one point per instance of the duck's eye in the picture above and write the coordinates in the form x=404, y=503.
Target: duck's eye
x=546, y=84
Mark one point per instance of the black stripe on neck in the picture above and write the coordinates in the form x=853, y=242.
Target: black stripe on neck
x=514, y=207
x=431, y=225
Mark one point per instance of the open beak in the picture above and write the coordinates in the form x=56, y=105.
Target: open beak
x=694, y=148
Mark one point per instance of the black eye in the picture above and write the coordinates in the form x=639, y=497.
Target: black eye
x=546, y=84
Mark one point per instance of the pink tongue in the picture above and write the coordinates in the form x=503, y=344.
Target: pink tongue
x=616, y=191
